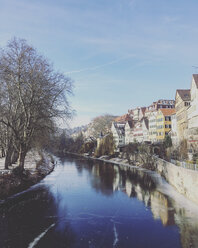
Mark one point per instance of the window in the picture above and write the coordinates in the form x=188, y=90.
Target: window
x=187, y=104
x=167, y=118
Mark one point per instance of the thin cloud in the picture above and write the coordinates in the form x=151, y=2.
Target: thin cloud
x=99, y=66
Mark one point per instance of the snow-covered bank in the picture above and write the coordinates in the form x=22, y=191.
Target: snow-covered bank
x=36, y=168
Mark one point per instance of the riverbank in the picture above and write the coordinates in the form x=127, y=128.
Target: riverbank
x=37, y=166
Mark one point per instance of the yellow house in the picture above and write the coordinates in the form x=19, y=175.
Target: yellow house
x=163, y=120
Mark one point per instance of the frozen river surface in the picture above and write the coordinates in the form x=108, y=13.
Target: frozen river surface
x=89, y=204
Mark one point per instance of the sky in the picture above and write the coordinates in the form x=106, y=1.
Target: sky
x=120, y=53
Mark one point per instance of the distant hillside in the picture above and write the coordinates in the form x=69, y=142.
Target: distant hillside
x=78, y=129
x=100, y=124
x=94, y=128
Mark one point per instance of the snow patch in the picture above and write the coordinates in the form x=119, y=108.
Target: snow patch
x=115, y=235
x=36, y=240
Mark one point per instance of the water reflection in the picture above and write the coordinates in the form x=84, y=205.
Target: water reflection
x=85, y=203
x=108, y=178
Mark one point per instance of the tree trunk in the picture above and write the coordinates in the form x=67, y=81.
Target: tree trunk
x=2, y=152
x=8, y=161
x=15, y=156
x=22, y=155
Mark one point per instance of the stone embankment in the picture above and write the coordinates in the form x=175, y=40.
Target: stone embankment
x=185, y=181
x=37, y=166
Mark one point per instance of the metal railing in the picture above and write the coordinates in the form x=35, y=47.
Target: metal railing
x=185, y=165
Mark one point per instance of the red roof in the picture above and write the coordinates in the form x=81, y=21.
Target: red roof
x=124, y=118
x=167, y=112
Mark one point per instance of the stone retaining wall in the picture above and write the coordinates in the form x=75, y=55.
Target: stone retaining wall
x=184, y=180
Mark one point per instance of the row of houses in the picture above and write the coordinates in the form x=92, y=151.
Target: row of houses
x=177, y=118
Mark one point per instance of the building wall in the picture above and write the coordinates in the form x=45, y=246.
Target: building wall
x=145, y=132
x=163, y=125
x=127, y=134
x=174, y=136
x=162, y=103
x=138, y=133
x=118, y=138
x=193, y=109
x=181, y=115
x=115, y=135
x=153, y=127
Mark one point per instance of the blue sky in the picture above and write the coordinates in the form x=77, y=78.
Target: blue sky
x=120, y=53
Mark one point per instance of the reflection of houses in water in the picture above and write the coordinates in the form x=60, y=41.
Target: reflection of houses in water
x=161, y=208
x=139, y=193
x=128, y=187
x=139, y=185
x=134, y=183
x=187, y=221
x=116, y=181
x=96, y=170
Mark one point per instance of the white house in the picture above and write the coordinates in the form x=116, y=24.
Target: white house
x=192, y=112
x=174, y=132
x=138, y=132
x=141, y=131
x=145, y=129
x=193, y=109
x=138, y=113
x=153, y=126
x=118, y=131
x=129, y=132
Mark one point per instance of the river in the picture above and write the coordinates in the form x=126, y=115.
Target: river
x=86, y=204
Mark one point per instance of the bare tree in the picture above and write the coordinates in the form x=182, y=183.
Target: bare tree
x=32, y=94
x=101, y=124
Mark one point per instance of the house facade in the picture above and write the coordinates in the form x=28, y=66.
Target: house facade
x=173, y=132
x=162, y=103
x=118, y=131
x=129, y=132
x=193, y=109
x=192, y=112
x=145, y=128
x=140, y=131
x=137, y=113
x=163, y=123
x=182, y=103
x=152, y=120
